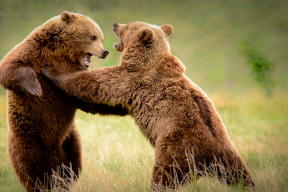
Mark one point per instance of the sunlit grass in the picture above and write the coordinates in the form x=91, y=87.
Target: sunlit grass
x=117, y=157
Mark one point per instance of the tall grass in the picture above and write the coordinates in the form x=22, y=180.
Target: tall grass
x=117, y=157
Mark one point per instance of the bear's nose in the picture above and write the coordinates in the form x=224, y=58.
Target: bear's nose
x=115, y=25
x=105, y=52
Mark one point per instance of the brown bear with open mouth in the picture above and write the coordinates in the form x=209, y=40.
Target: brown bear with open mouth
x=42, y=132
x=175, y=115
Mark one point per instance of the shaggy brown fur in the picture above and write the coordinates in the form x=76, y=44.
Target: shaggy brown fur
x=42, y=132
x=175, y=115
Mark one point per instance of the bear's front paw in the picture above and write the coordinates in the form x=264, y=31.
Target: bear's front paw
x=49, y=70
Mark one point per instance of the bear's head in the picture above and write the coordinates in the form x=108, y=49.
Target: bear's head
x=71, y=38
x=144, y=46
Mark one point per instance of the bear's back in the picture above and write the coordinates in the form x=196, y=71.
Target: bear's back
x=177, y=102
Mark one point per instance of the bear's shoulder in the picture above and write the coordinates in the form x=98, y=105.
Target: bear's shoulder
x=170, y=66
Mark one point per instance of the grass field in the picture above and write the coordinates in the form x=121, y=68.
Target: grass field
x=118, y=158
x=207, y=38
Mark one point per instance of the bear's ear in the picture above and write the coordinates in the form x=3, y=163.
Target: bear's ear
x=146, y=35
x=170, y=66
x=65, y=16
x=168, y=29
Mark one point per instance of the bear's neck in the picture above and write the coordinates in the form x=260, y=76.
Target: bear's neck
x=140, y=58
x=64, y=60
x=63, y=63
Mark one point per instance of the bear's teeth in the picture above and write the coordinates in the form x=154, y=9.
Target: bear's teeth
x=86, y=62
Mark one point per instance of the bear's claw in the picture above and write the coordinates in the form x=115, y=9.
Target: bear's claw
x=48, y=70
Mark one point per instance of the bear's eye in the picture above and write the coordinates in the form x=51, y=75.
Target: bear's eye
x=93, y=38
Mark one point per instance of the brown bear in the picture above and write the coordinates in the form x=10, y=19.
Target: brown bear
x=42, y=132
x=176, y=116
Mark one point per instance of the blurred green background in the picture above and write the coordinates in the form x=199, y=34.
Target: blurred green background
x=208, y=35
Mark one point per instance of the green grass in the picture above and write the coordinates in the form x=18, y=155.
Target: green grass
x=207, y=38
x=117, y=157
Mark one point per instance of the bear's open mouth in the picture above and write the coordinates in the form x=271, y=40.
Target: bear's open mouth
x=86, y=60
x=119, y=46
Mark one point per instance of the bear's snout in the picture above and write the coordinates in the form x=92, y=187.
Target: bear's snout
x=105, y=52
x=116, y=28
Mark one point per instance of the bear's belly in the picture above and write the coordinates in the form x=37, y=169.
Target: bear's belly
x=49, y=121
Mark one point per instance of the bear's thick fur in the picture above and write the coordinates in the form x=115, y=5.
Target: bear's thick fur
x=42, y=132
x=176, y=116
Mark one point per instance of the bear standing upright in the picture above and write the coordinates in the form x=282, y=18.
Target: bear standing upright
x=42, y=133
x=176, y=116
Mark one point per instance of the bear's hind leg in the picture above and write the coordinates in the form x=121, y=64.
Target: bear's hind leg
x=236, y=169
x=171, y=168
x=32, y=164
x=73, y=152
